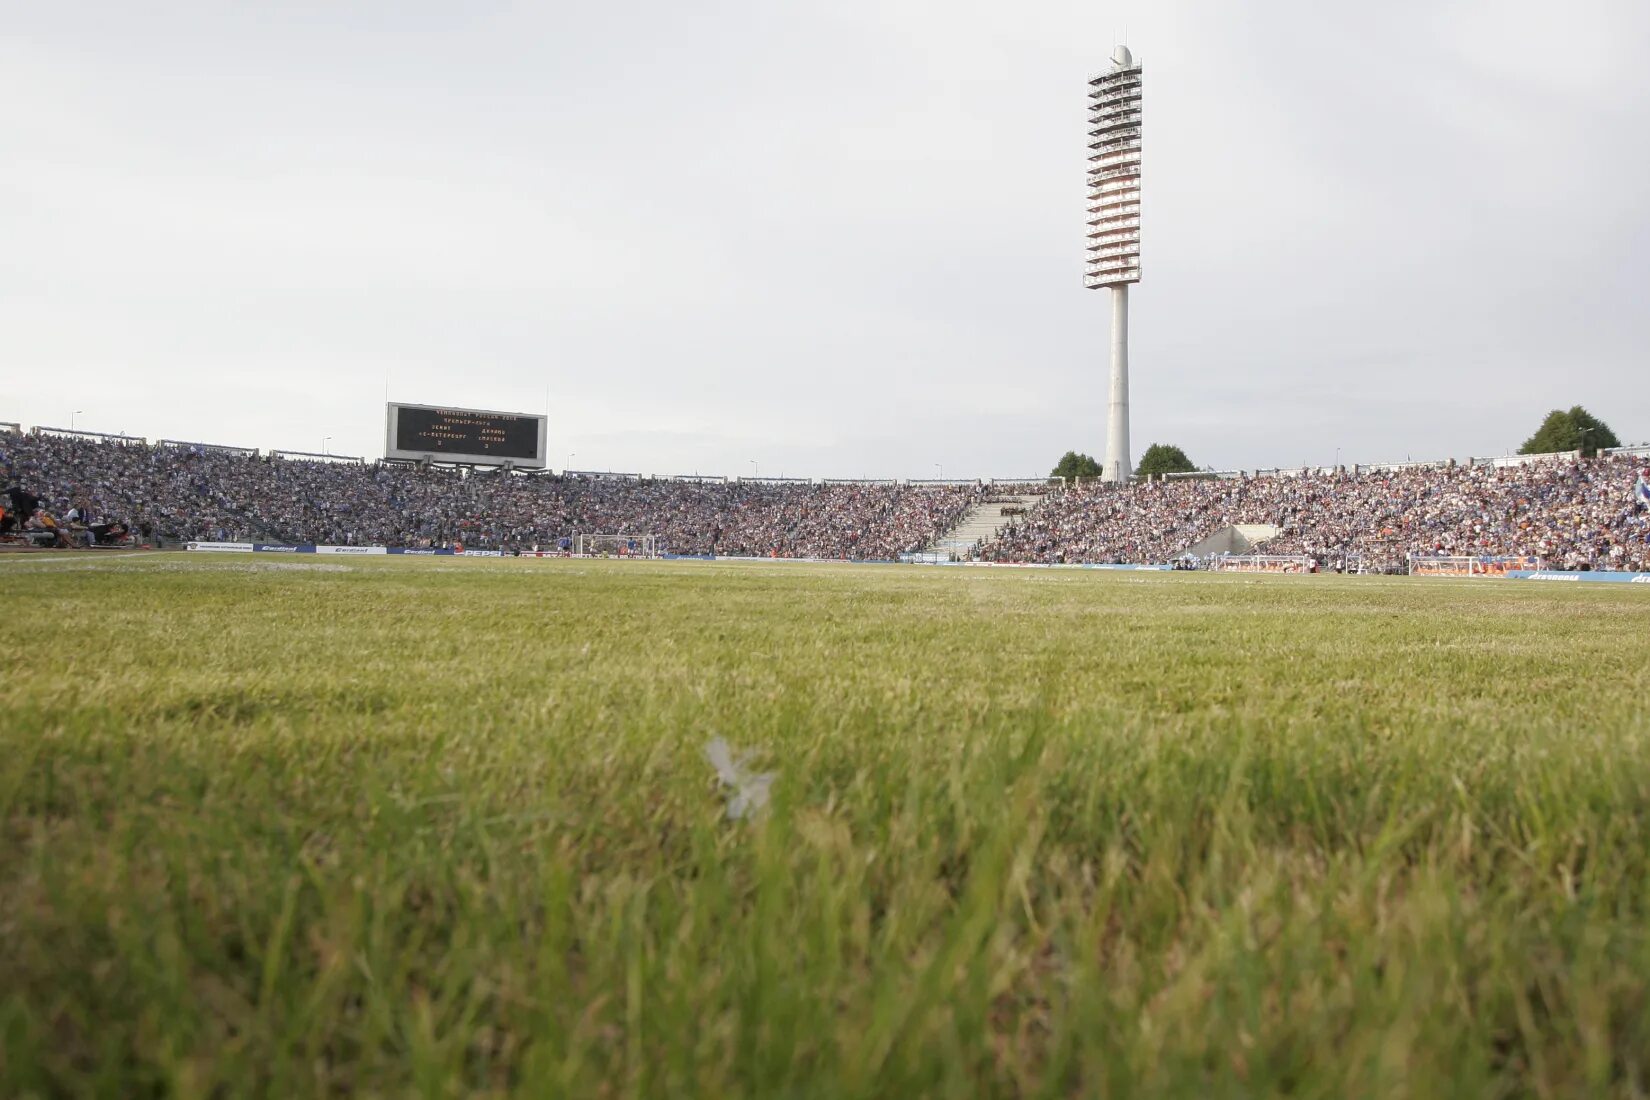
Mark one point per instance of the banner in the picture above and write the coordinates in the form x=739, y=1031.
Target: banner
x=1154, y=568
x=1263, y=563
x=351, y=550
x=267, y=548
x=222, y=547
x=423, y=552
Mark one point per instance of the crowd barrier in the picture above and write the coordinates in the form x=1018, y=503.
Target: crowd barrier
x=1595, y=575
x=1262, y=563
x=312, y=548
x=1501, y=567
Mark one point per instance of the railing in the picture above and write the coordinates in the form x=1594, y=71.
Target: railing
x=76, y=433
x=1504, y=461
x=1131, y=72
x=1393, y=467
x=1124, y=145
x=1108, y=267
x=1103, y=126
x=1115, y=93
x=1100, y=175
x=1108, y=123
x=1114, y=225
x=1122, y=101
x=1127, y=190
x=312, y=456
x=215, y=448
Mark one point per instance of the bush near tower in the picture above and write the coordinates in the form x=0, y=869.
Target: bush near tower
x=1571, y=430
x=1164, y=458
x=1072, y=464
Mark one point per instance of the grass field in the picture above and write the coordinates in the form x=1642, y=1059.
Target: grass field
x=446, y=828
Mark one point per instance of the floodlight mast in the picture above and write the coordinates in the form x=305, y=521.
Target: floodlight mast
x=1114, y=229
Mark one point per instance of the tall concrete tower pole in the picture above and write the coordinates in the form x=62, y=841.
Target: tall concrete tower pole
x=1114, y=230
x=1118, y=466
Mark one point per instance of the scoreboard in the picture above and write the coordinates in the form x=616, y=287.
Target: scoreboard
x=464, y=435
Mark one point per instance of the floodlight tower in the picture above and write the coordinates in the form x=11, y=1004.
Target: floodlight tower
x=1114, y=229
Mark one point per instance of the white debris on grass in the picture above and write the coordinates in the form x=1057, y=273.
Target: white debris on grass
x=747, y=790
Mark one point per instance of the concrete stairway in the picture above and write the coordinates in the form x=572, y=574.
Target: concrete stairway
x=977, y=524
x=1240, y=538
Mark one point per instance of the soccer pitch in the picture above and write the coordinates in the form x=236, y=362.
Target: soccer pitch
x=447, y=828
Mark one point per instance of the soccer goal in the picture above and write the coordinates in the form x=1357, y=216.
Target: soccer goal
x=616, y=546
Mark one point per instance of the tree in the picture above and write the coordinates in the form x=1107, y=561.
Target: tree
x=1568, y=431
x=1164, y=458
x=1073, y=464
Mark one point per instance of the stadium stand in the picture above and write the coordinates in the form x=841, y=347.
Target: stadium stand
x=200, y=492
x=1570, y=513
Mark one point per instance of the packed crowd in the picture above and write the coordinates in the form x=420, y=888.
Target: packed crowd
x=198, y=493
x=1587, y=514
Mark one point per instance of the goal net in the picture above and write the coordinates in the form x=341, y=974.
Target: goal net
x=1458, y=565
x=616, y=546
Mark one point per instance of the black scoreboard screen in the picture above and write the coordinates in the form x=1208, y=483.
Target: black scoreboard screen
x=464, y=435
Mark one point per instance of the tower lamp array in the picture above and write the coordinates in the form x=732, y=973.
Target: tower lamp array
x=1114, y=229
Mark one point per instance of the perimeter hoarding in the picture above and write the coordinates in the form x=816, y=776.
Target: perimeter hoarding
x=477, y=436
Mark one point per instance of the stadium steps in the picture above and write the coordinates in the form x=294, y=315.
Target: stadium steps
x=978, y=524
x=1240, y=538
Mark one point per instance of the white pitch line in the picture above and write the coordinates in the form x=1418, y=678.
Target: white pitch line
x=71, y=557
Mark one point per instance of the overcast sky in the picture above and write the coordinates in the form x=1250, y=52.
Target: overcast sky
x=836, y=238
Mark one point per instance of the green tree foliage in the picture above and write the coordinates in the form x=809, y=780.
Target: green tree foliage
x=1164, y=458
x=1568, y=430
x=1072, y=464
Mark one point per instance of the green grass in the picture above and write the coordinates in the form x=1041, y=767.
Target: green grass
x=445, y=829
